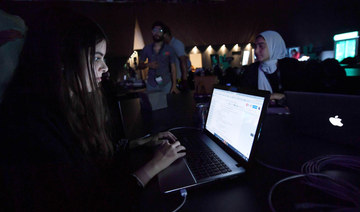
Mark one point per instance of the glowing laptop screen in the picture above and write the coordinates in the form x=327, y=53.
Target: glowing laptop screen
x=233, y=118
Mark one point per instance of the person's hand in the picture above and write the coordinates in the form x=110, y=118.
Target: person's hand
x=153, y=65
x=153, y=140
x=174, y=90
x=163, y=157
x=277, y=96
x=167, y=154
x=158, y=138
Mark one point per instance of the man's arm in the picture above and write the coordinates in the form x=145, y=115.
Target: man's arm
x=180, y=53
x=183, y=66
x=173, y=79
x=152, y=65
x=145, y=56
x=142, y=58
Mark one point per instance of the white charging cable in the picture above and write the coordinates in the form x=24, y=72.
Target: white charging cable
x=183, y=193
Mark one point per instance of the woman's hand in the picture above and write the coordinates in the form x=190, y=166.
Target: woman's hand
x=277, y=96
x=167, y=154
x=163, y=157
x=158, y=138
x=154, y=140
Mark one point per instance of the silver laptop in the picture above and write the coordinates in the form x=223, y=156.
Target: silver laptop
x=330, y=117
x=224, y=148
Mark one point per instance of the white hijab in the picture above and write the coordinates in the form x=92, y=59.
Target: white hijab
x=277, y=50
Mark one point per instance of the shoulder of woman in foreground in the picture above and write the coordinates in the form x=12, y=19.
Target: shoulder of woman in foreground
x=34, y=131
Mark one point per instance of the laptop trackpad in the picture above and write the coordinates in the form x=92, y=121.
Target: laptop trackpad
x=175, y=177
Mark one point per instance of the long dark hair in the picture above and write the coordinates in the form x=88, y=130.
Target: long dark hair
x=57, y=67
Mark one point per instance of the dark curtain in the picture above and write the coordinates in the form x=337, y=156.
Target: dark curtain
x=300, y=22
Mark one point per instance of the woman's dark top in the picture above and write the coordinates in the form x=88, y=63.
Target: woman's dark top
x=287, y=76
x=44, y=169
x=250, y=78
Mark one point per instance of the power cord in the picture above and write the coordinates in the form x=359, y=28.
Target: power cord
x=276, y=168
x=172, y=129
x=183, y=193
x=179, y=128
x=334, y=187
x=318, y=164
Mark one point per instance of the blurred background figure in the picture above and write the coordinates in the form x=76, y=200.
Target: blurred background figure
x=264, y=74
x=295, y=54
x=12, y=33
x=181, y=59
x=161, y=62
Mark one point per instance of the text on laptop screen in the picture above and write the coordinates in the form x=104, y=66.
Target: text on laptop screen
x=233, y=118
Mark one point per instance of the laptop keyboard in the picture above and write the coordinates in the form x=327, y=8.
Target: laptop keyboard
x=202, y=161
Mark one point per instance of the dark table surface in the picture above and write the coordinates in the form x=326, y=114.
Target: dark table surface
x=279, y=146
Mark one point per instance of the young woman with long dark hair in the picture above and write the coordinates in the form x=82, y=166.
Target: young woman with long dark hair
x=56, y=153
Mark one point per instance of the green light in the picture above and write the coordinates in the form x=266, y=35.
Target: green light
x=352, y=72
x=345, y=36
x=344, y=49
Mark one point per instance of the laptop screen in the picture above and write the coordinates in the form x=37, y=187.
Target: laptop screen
x=233, y=118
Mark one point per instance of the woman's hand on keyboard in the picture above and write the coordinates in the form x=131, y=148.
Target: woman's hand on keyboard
x=163, y=157
x=153, y=140
x=168, y=153
x=158, y=138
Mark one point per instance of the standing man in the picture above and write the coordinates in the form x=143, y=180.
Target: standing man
x=181, y=60
x=161, y=62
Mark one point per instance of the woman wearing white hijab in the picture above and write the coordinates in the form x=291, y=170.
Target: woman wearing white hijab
x=269, y=48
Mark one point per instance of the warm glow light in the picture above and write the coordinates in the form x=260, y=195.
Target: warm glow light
x=196, y=60
x=236, y=47
x=245, y=59
x=345, y=36
x=138, y=38
x=195, y=50
x=223, y=47
x=209, y=49
x=248, y=47
x=133, y=56
x=253, y=55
